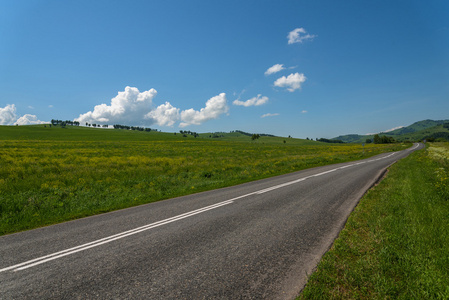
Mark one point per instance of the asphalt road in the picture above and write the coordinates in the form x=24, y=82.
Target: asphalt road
x=258, y=240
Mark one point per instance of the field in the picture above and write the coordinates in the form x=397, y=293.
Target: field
x=50, y=175
x=395, y=244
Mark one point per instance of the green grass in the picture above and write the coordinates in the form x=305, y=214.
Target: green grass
x=50, y=175
x=73, y=133
x=395, y=244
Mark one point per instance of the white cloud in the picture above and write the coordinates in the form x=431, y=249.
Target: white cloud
x=399, y=127
x=8, y=114
x=299, y=35
x=269, y=115
x=292, y=82
x=128, y=107
x=240, y=94
x=164, y=114
x=132, y=107
x=388, y=130
x=255, y=101
x=215, y=106
x=274, y=69
x=28, y=119
x=8, y=117
x=304, y=111
x=50, y=106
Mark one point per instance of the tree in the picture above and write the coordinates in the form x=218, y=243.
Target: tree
x=255, y=137
x=377, y=139
x=383, y=139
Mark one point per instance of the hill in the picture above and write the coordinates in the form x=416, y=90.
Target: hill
x=45, y=132
x=426, y=129
x=417, y=126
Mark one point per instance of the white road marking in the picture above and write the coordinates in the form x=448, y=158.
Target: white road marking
x=56, y=255
x=40, y=260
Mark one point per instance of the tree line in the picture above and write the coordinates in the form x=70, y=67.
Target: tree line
x=185, y=133
x=126, y=127
x=61, y=123
x=97, y=125
x=382, y=139
x=251, y=134
x=64, y=123
x=329, y=141
x=376, y=140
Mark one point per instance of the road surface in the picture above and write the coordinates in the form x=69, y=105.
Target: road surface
x=258, y=240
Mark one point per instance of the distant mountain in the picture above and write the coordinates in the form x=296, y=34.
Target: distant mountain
x=417, y=126
x=351, y=138
x=417, y=131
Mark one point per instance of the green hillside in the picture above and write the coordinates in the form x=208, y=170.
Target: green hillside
x=417, y=126
x=430, y=133
x=427, y=129
x=352, y=138
x=78, y=133
x=81, y=133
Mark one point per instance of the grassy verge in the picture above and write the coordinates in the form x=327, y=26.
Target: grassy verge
x=50, y=175
x=395, y=244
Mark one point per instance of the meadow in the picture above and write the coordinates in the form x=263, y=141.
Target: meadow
x=52, y=174
x=395, y=244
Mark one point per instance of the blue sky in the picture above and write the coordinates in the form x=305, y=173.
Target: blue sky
x=338, y=67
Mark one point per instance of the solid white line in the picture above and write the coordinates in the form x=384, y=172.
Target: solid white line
x=118, y=237
x=279, y=186
x=323, y=173
x=111, y=238
x=319, y=174
x=66, y=252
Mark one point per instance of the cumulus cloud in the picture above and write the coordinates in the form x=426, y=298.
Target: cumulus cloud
x=269, y=115
x=299, y=35
x=28, y=119
x=128, y=107
x=255, y=101
x=274, y=69
x=164, y=115
x=132, y=107
x=215, y=107
x=8, y=114
x=292, y=82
